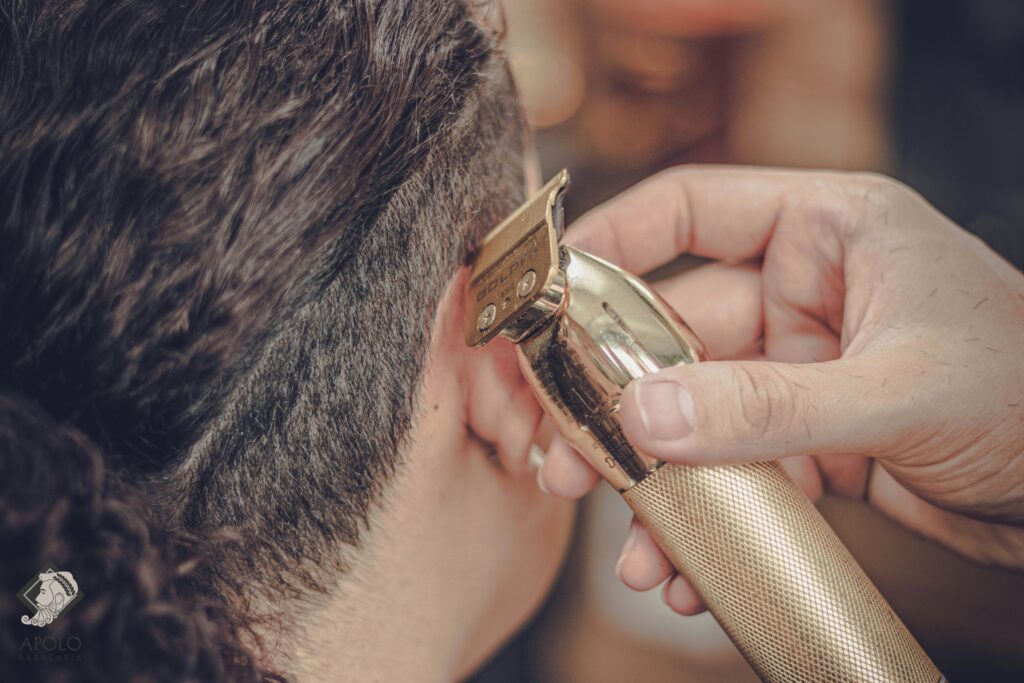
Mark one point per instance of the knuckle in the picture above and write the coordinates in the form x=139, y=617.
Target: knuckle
x=884, y=192
x=852, y=203
x=869, y=180
x=827, y=205
x=879, y=192
x=875, y=184
x=767, y=400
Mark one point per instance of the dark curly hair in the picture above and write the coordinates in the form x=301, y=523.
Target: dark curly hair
x=224, y=230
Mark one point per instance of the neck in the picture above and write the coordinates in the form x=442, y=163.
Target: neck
x=378, y=626
x=395, y=614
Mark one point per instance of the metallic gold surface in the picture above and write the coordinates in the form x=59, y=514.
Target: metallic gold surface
x=775, y=575
x=611, y=330
x=525, y=241
x=765, y=562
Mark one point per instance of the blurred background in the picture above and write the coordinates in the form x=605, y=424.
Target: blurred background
x=928, y=91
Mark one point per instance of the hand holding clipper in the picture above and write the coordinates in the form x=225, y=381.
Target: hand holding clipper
x=769, y=568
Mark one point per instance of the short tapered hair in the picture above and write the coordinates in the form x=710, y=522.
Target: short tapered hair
x=225, y=228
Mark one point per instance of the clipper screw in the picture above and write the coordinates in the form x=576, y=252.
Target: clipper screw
x=526, y=284
x=486, y=318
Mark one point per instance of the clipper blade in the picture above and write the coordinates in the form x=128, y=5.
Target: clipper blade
x=515, y=268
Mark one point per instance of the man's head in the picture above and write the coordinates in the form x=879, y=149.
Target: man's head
x=230, y=253
x=56, y=590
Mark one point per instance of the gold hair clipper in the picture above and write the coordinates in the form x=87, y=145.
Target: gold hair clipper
x=765, y=562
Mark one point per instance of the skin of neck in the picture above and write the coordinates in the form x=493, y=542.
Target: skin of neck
x=392, y=617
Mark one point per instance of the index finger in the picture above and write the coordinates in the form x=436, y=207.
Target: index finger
x=720, y=212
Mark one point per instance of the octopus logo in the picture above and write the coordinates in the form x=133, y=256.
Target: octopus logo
x=49, y=593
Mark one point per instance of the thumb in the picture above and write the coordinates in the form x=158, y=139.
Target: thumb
x=729, y=412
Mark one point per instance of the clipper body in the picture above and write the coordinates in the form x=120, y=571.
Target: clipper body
x=771, y=570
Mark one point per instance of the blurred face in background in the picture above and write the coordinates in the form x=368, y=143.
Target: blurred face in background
x=653, y=83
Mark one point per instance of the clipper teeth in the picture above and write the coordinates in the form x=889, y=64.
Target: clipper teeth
x=516, y=264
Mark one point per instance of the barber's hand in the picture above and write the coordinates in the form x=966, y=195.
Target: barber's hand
x=887, y=349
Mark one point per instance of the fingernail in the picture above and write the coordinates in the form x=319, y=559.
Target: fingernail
x=666, y=409
x=540, y=482
x=627, y=547
x=536, y=456
x=666, y=589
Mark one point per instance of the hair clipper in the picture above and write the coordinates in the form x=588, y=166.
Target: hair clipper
x=765, y=562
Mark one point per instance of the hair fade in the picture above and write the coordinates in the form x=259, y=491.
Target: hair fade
x=224, y=231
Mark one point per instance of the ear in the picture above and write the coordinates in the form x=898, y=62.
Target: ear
x=58, y=598
x=497, y=405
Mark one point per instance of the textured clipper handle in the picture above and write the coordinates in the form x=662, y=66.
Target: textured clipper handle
x=774, y=574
